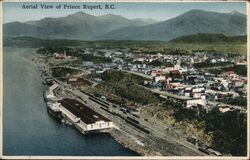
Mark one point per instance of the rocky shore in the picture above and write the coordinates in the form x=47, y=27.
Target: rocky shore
x=127, y=142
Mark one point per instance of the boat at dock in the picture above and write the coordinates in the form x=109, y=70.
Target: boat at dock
x=73, y=112
x=55, y=113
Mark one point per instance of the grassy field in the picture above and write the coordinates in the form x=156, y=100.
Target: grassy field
x=221, y=47
x=125, y=85
x=239, y=69
x=63, y=71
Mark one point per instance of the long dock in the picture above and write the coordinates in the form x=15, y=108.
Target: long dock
x=85, y=119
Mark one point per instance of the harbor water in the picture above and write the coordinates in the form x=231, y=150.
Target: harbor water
x=28, y=129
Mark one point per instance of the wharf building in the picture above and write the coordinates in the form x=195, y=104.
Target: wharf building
x=82, y=117
x=85, y=119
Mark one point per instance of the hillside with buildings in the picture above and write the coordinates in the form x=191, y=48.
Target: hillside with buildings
x=195, y=95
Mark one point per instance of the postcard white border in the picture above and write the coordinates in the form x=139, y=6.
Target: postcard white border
x=123, y=157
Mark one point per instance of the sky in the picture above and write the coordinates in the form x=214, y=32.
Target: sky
x=12, y=11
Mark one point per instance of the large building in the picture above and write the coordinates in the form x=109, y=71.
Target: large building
x=82, y=117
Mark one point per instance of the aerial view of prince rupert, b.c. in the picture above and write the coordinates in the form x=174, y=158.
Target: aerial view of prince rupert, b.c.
x=125, y=79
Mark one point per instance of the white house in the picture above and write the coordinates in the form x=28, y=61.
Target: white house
x=159, y=77
x=195, y=102
x=224, y=109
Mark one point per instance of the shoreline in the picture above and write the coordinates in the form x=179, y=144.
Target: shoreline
x=29, y=111
x=154, y=144
x=126, y=142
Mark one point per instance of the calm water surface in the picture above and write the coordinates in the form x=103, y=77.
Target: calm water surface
x=27, y=127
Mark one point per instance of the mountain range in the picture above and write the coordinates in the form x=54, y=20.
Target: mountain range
x=83, y=26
